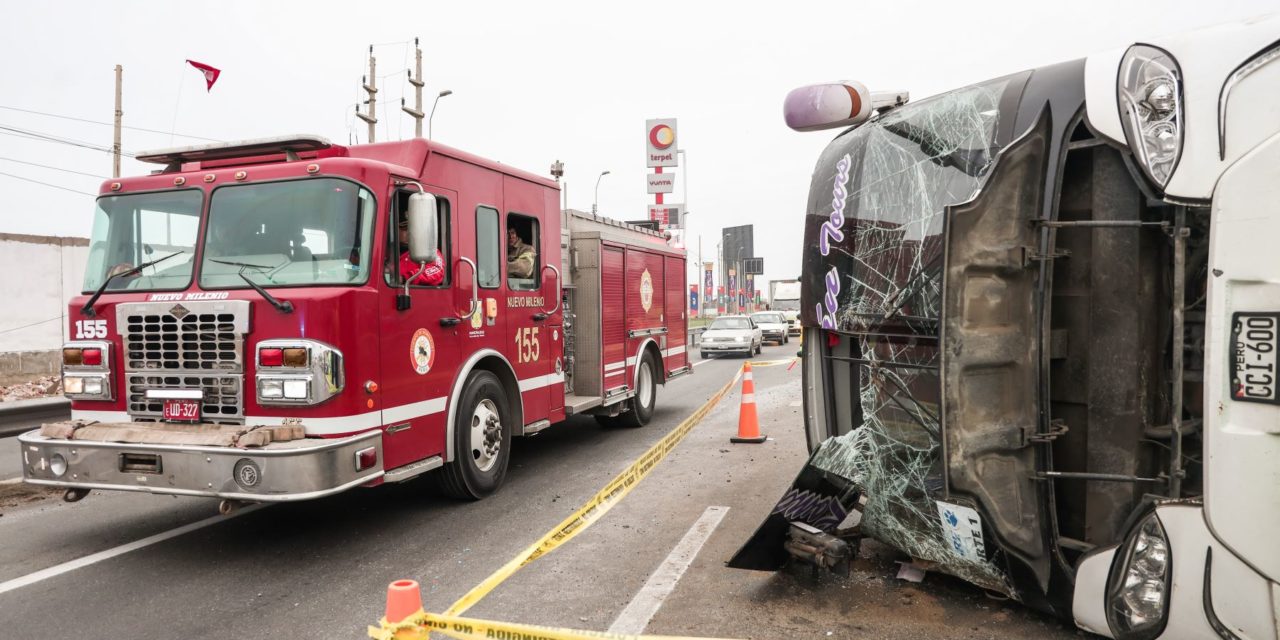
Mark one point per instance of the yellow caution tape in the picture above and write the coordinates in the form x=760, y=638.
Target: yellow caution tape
x=597, y=506
x=421, y=625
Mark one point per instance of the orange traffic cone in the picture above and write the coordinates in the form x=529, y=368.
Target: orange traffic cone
x=404, y=599
x=748, y=423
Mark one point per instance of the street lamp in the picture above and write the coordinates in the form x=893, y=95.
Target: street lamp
x=446, y=92
x=596, y=202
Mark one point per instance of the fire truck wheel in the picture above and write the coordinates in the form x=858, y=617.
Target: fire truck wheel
x=646, y=395
x=482, y=440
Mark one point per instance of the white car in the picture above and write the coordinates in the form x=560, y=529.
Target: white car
x=732, y=334
x=773, y=325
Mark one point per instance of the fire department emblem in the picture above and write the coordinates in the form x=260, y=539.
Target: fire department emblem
x=646, y=290
x=422, y=351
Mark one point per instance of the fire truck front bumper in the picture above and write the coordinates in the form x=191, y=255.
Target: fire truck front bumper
x=278, y=472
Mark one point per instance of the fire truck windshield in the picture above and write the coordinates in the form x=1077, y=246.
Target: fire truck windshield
x=297, y=232
x=134, y=229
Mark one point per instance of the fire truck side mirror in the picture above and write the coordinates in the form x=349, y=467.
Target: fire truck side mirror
x=423, y=231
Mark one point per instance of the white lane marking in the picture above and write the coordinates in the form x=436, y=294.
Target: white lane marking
x=94, y=558
x=636, y=616
x=701, y=362
x=100, y=416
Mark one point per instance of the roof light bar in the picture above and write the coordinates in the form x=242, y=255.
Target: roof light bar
x=289, y=145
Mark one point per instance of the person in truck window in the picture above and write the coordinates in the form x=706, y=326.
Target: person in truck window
x=434, y=274
x=520, y=256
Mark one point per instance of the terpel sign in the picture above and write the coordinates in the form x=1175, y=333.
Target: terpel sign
x=660, y=141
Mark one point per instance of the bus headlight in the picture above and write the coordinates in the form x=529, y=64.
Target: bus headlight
x=1138, y=596
x=1150, y=95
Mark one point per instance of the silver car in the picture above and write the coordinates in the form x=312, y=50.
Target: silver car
x=732, y=334
x=773, y=325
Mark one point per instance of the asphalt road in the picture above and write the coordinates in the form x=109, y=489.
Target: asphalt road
x=320, y=569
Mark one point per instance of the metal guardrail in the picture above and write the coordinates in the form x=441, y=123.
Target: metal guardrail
x=695, y=336
x=24, y=415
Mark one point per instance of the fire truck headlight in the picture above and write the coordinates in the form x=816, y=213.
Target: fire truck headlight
x=1150, y=96
x=86, y=386
x=295, y=389
x=301, y=371
x=270, y=389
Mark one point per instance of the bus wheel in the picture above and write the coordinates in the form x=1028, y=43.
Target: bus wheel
x=646, y=395
x=482, y=440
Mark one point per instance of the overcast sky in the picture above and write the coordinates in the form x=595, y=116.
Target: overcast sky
x=532, y=83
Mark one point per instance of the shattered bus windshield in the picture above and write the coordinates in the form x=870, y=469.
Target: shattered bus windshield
x=874, y=274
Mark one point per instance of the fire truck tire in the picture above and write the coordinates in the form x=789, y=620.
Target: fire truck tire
x=482, y=440
x=646, y=395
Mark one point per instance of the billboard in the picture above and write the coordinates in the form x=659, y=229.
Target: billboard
x=660, y=142
x=708, y=268
x=693, y=298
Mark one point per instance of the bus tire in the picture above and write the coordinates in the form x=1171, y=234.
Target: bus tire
x=646, y=397
x=482, y=440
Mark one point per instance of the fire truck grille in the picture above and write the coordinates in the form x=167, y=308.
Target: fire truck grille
x=205, y=341
x=221, y=401
x=186, y=345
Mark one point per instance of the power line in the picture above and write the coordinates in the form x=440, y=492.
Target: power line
x=55, y=186
x=45, y=166
x=108, y=124
x=36, y=135
x=31, y=325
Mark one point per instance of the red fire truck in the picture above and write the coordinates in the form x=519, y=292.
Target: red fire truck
x=284, y=319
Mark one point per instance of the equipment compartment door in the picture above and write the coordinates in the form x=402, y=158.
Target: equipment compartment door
x=613, y=319
x=675, y=353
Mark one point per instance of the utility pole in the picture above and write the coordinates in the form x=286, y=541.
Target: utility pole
x=115, y=141
x=371, y=87
x=417, y=83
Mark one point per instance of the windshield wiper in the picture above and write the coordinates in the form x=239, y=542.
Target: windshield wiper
x=284, y=306
x=242, y=265
x=88, y=309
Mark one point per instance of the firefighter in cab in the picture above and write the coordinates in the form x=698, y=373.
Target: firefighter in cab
x=434, y=273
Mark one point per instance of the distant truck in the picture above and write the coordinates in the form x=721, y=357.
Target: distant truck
x=1041, y=318
x=784, y=296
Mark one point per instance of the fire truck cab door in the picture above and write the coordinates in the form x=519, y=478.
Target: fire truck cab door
x=418, y=349
x=528, y=292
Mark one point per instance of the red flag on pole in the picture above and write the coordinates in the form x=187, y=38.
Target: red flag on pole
x=210, y=74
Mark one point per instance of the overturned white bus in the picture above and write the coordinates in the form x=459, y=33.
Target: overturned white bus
x=1040, y=335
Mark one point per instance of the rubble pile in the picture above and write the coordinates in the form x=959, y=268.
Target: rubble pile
x=41, y=387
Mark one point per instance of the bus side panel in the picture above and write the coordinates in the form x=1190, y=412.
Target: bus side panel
x=613, y=318
x=676, y=353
